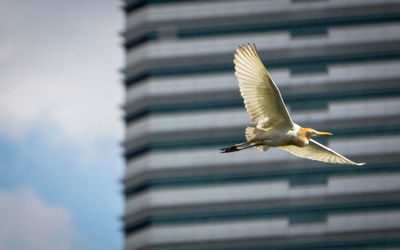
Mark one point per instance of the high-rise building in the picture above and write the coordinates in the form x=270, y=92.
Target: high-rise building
x=337, y=64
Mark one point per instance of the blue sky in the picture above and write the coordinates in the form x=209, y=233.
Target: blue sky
x=60, y=124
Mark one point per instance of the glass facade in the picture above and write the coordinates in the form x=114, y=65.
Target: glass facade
x=337, y=64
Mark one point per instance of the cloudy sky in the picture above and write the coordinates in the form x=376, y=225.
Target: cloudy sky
x=60, y=124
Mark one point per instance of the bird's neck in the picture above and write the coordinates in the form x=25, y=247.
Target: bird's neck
x=302, y=136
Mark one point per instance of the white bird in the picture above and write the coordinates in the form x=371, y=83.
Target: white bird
x=265, y=106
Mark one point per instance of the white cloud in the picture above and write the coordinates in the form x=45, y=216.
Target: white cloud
x=28, y=222
x=59, y=69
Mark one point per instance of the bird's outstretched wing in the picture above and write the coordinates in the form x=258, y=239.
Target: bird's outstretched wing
x=319, y=152
x=262, y=98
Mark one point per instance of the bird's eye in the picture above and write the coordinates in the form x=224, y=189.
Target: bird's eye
x=313, y=133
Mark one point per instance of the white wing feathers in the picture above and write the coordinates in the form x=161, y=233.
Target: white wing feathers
x=319, y=152
x=265, y=105
x=261, y=96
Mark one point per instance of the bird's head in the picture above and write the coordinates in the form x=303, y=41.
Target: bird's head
x=311, y=133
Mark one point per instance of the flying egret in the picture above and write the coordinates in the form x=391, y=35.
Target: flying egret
x=265, y=106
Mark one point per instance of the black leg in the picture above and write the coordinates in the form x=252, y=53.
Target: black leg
x=236, y=147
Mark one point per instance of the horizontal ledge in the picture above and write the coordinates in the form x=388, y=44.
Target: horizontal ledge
x=267, y=228
x=190, y=139
x=296, y=174
x=290, y=58
x=358, y=148
x=254, y=22
x=379, y=238
x=316, y=98
x=293, y=209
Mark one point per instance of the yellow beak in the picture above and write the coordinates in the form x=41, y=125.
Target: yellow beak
x=323, y=133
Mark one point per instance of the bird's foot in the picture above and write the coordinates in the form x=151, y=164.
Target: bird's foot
x=229, y=149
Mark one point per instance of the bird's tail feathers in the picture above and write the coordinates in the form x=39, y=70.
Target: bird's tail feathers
x=253, y=133
x=262, y=148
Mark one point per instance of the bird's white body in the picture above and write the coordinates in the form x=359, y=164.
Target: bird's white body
x=276, y=137
x=266, y=108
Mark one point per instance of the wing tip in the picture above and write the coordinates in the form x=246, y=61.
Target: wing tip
x=250, y=45
x=360, y=164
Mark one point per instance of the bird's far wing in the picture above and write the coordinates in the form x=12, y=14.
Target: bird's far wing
x=319, y=152
x=262, y=98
